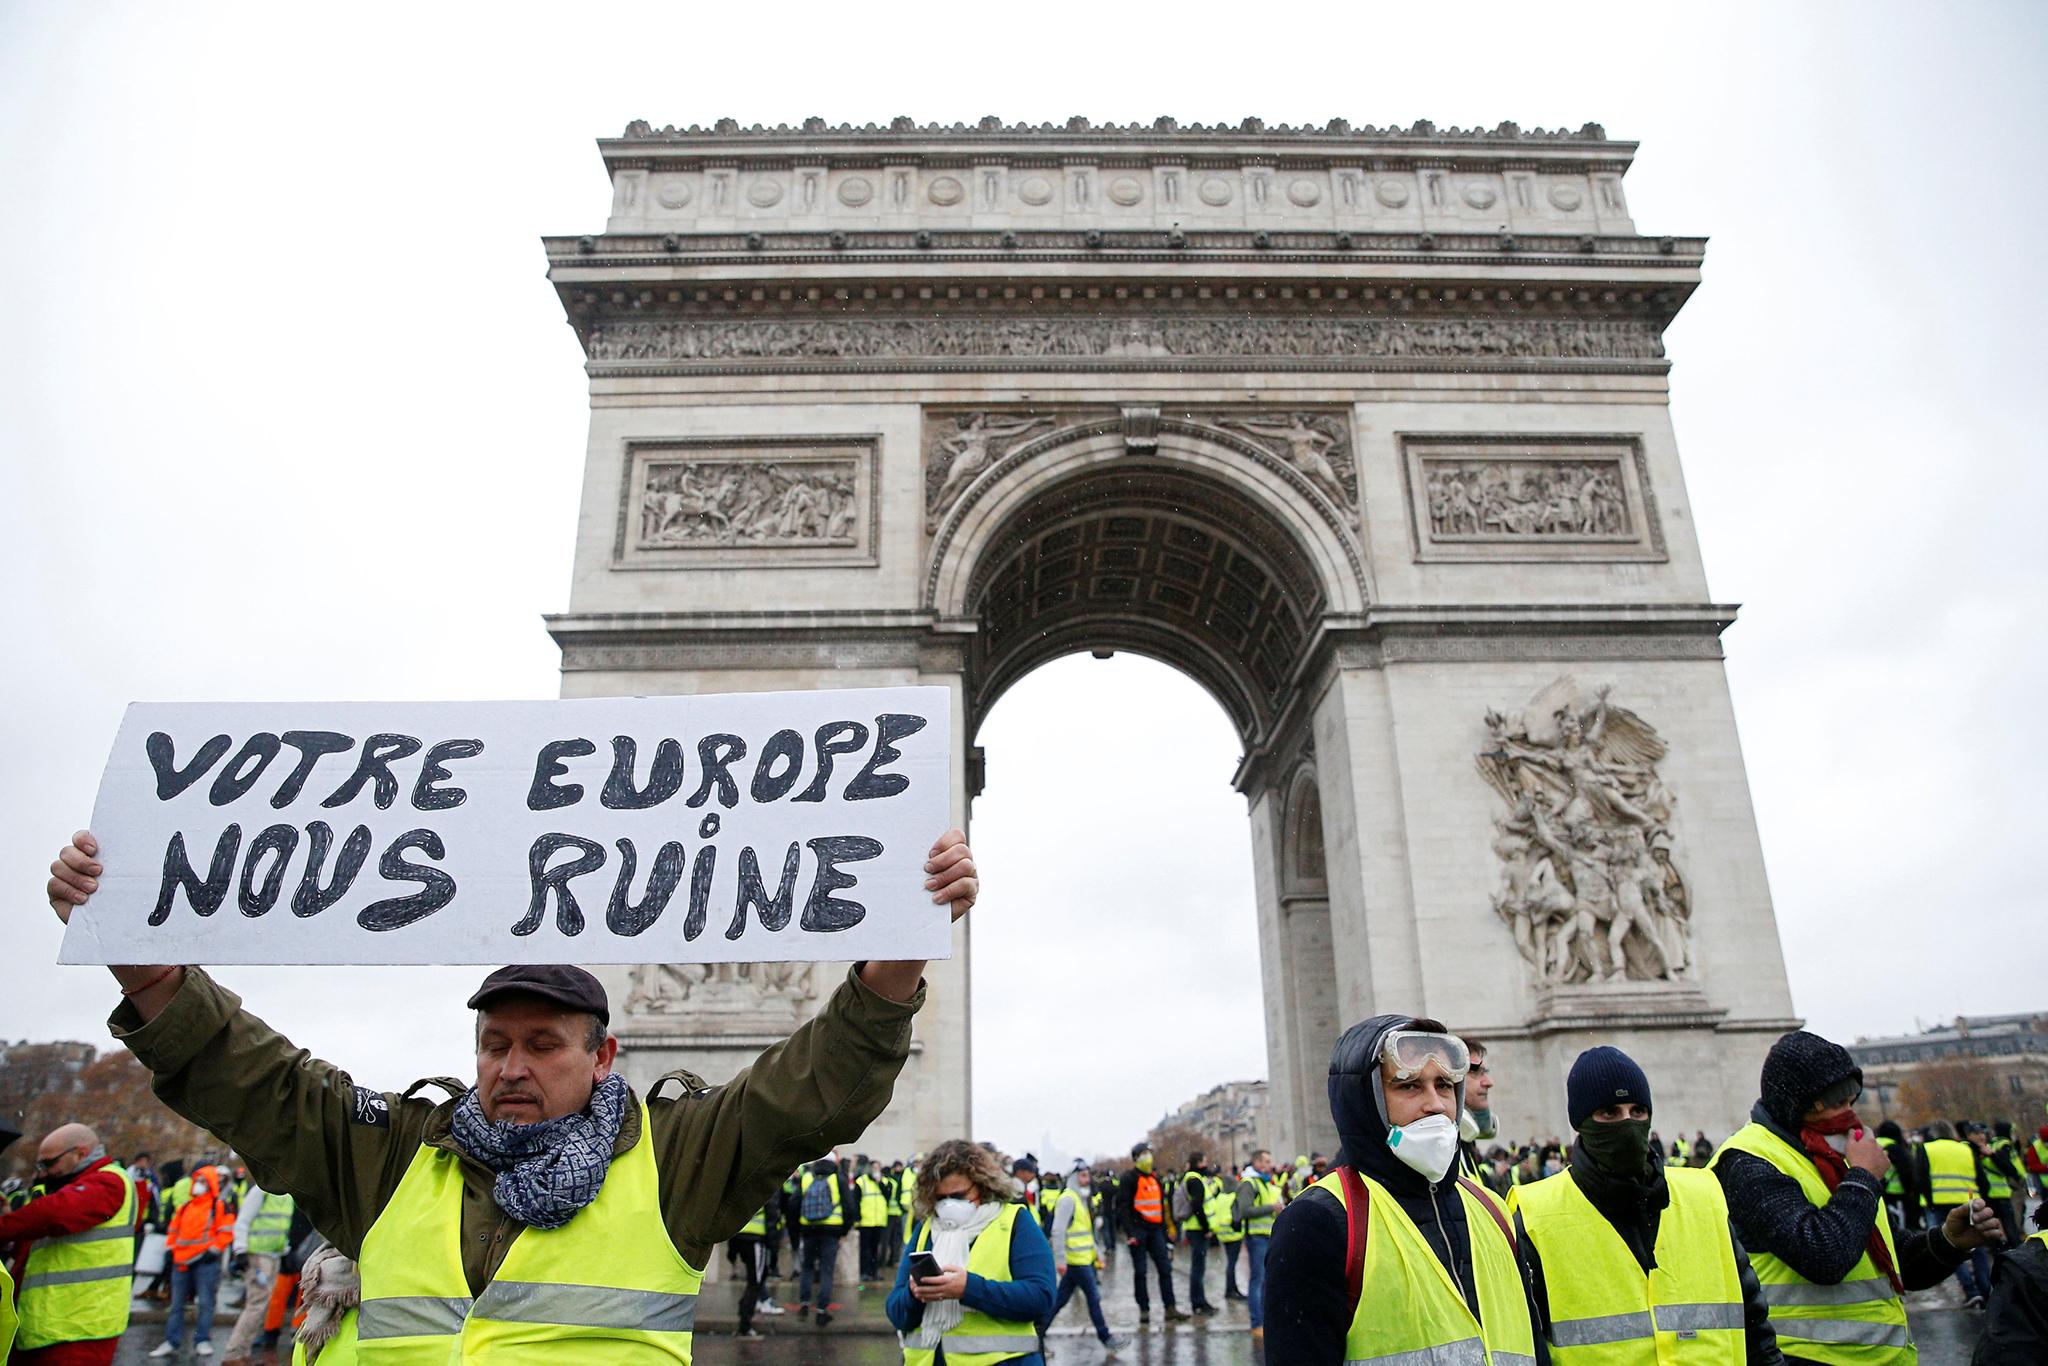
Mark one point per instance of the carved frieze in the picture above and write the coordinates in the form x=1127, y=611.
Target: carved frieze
x=1078, y=339
x=1589, y=880
x=1518, y=498
x=747, y=500
x=735, y=996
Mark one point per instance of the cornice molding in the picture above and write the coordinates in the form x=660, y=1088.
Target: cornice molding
x=1082, y=131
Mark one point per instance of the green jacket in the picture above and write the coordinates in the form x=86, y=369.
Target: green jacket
x=339, y=1149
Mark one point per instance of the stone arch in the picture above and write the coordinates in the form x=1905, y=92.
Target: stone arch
x=1303, y=854
x=1207, y=553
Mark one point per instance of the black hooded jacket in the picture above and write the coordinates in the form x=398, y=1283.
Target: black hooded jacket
x=1822, y=1242
x=1308, y=1309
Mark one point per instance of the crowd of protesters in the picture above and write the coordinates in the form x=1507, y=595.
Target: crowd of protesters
x=547, y=1211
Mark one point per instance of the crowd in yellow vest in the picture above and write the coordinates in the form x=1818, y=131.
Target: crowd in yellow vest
x=548, y=1212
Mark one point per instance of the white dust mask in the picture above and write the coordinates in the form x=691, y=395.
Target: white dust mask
x=953, y=1211
x=1429, y=1145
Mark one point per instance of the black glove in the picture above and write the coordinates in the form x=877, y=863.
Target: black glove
x=241, y=1263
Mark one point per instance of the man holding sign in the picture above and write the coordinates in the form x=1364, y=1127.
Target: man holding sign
x=546, y=1212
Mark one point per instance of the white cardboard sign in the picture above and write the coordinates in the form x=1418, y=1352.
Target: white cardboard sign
x=747, y=827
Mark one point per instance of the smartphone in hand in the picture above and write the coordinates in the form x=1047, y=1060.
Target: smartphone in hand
x=924, y=1266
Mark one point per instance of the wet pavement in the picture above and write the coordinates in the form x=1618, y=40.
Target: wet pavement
x=859, y=1334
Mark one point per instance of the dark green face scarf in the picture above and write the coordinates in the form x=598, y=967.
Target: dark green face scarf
x=1621, y=1148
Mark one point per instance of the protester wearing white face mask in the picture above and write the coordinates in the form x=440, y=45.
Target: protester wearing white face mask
x=1429, y=1251
x=994, y=1283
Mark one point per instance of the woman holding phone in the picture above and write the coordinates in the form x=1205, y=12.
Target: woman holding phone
x=978, y=1279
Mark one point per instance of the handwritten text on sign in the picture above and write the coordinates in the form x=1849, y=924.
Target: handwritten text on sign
x=748, y=827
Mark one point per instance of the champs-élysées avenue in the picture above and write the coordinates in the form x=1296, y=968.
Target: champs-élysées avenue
x=1017, y=686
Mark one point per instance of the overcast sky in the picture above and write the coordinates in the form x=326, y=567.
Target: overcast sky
x=288, y=410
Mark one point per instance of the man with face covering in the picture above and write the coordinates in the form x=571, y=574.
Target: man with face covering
x=1805, y=1187
x=1649, y=1268
x=1393, y=1254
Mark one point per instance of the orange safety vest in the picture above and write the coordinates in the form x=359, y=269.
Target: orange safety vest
x=202, y=1222
x=1146, y=1201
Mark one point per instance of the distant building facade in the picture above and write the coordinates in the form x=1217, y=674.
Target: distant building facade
x=1229, y=1120
x=2017, y=1045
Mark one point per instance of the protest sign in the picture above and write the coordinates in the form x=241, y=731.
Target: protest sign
x=746, y=827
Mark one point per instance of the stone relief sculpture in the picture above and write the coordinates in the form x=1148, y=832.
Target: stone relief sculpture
x=858, y=339
x=749, y=502
x=1526, y=499
x=1316, y=444
x=772, y=991
x=956, y=460
x=1588, y=884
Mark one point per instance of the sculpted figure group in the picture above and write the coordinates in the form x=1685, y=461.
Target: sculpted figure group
x=732, y=502
x=1526, y=498
x=1587, y=884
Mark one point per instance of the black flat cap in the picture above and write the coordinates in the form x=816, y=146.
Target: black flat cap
x=569, y=987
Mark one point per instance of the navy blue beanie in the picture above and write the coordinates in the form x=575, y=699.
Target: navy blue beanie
x=1602, y=1077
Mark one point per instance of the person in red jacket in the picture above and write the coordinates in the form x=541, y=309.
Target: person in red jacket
x=200, y=1234
x=83, y=1189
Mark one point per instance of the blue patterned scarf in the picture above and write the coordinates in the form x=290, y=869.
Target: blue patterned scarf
x=549, y=1170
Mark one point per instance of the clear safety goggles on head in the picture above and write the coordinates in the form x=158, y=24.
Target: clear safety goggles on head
x=1410, y=1050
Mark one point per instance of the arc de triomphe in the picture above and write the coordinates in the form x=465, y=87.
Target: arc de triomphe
x=1366, y=430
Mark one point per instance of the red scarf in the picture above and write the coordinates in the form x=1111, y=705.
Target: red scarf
x=1833, y=1167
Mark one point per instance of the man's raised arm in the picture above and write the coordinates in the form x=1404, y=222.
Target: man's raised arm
x=302, y=1124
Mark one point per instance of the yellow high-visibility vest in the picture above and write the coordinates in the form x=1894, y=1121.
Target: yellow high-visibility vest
x=980, y=1339
x=75, y=1286
x=1410, y=1308
x=1951, y=1172
x=1605, y=1310
x=340, y=1350
x=1264, y=1192
x=1080, y=1244
x=8, y=1318
x=1221, y=1199
x=271, y=1229
x=756, y=1227
x=837, y=1218
x=1997, y=1186
x=1860, y=1321
x=874, y=1202
x=608, y=1285
x=1894, y=1184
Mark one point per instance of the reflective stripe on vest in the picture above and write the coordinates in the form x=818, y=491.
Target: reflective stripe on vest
x=1222, y=1199
x=1419, y=1316
x=1264, y=1192
x=756, y=1227
x=535, y=1312
x=1145, y=1199
x=1607, y=1310
x=1951, y=1172
x=1859, y=1322
x=271, y=1229
x=75, y=1286
x=980, y=1339
x=1997, y=1186
x=874, y=1202
x=1080, y=1244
